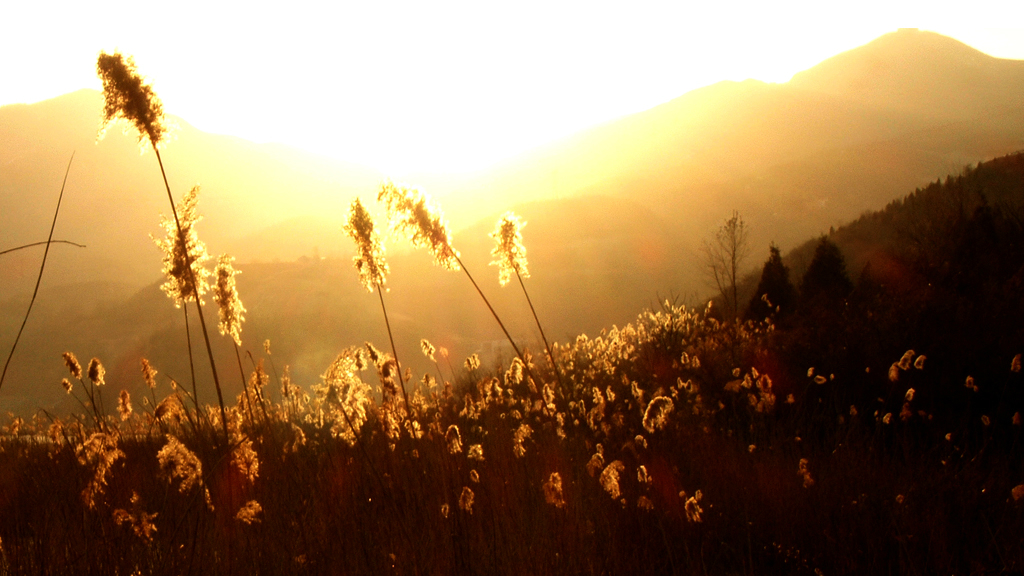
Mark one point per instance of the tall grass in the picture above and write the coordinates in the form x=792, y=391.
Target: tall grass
x=693, y=468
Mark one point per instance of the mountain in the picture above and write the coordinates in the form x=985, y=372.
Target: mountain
x=843, y=137
x=615, y=214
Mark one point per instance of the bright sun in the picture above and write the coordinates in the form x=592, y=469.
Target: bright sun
x=442, y=86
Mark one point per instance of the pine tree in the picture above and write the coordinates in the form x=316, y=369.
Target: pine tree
x=775, y=294
x=826, y=282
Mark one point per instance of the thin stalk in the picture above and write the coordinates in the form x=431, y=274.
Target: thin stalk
x=191, y=364
x=394, y=352
x=245, y=386
x=103, y=409
x=547, y=346
x=195, y=287
x=257, y=392
x=495, y=314
x=92, y=403
x=39, y=278
x=47, y=242
x=192, y=370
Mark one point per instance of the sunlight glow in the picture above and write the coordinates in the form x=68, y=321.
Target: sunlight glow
x=446, y=86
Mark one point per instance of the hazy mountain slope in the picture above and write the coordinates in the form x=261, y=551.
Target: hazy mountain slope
x=922, y=73
x=795, y=158
x=115, y=195
x=916, y=228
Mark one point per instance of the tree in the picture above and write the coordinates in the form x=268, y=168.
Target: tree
x=775, y=294
x=723, y=256
x=825, y=283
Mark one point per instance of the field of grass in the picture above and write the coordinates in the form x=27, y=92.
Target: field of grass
x=646, y=452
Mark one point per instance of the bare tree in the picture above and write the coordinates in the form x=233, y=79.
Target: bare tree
x=723, y=256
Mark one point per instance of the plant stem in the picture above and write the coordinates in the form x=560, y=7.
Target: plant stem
x=495, y=314
x=195, y=288
x=547, y=346
x=245, y=386
x=394, y=352
x=191, y=364
x=39, y=279
x=257, y=390
x=46, y=242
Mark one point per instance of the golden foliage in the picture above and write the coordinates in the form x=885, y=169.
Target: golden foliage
x=225, y=294
x=412, y=213
x=179, y=285
x=369, y=259
x=509, y=253
x=126, y=96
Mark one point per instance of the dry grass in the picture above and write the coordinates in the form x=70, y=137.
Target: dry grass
x=511, y=475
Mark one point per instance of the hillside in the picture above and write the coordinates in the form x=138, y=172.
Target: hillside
x=795, y=158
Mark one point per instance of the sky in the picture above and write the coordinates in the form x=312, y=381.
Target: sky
x=448, y=86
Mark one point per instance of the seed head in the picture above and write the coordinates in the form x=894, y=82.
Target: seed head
x=805, y=473
x=140, y=521
x=412, y=213
x=553, y=490
x=127, y=97
x=1017, y=492
x=170, y=408
x=179, y=463
x=519, y=437
x=96, y=372
x=894, y=372
x=610, y=479
x=179, y=285
x=428, y=349
x=149, y=374
x=226, y=296
x=99, y=453
x=345, y=395
x=124, y=405
x=509, y=254
x=466, y=499
x=656, y=415
x=245, y=460
x=370, y=262
x=249, y=514
x=453, y=439
x=693, y=509
x=72, y=363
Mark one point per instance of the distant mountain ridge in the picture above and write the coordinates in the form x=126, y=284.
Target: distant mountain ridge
x=795, y=158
